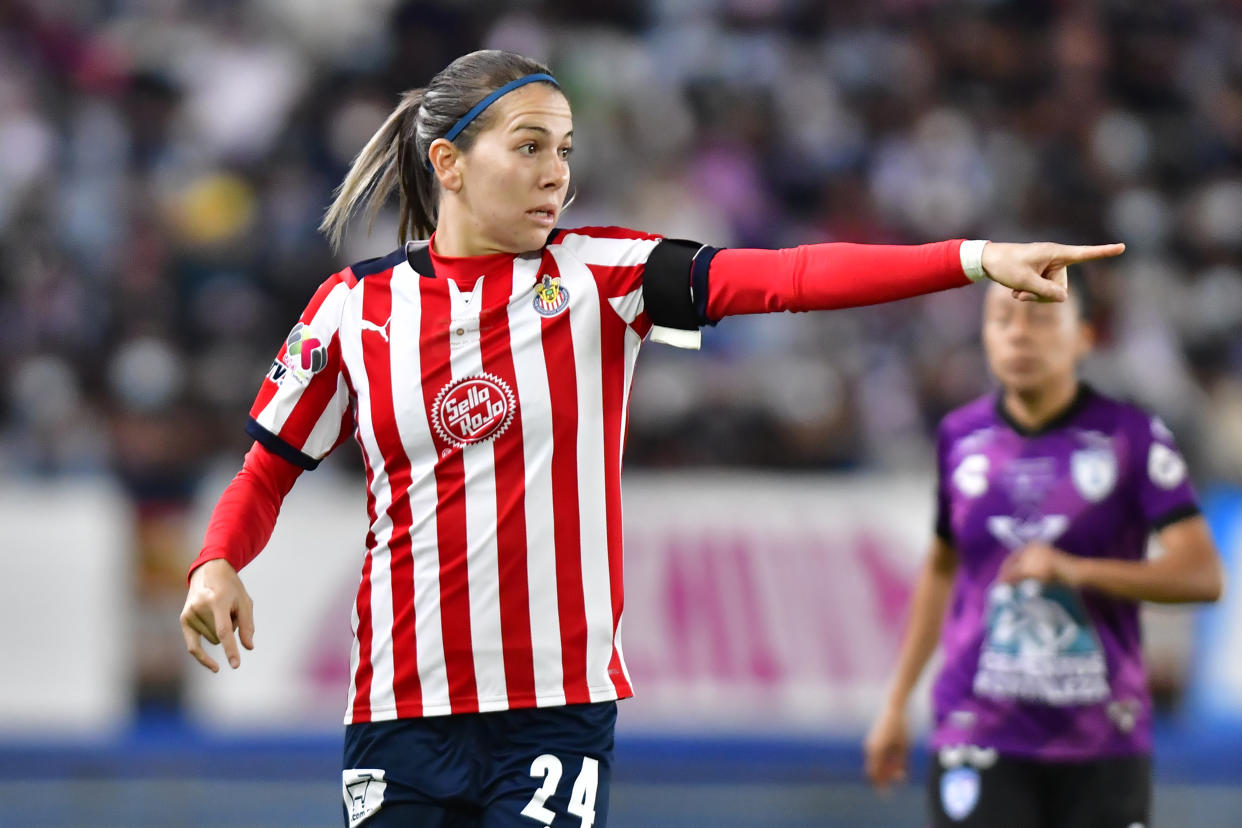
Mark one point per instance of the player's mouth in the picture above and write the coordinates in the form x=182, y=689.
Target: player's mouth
x=545, y=216
x=1023, y=364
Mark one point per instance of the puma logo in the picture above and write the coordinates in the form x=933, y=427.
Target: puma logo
x=382, y=330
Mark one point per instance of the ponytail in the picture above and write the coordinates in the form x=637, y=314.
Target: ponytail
x=386, y=163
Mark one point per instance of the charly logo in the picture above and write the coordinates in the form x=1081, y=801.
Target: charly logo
x=305, y=355
x=971, y=475
x=551, y=297
x=473, y=409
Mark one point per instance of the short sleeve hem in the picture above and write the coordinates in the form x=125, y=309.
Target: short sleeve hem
x=1174, y=515
x=279, y=447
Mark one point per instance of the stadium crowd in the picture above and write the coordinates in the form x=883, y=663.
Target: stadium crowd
x=164, y=163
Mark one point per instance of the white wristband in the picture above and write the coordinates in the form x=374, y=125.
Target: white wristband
x=972, y=259
x=677, y=337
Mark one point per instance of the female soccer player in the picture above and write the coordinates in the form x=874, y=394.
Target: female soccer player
x=485, y=375
x=1047, y=494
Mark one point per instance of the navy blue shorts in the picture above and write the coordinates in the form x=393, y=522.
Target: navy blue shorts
x=482, y=770
x=1027, y=793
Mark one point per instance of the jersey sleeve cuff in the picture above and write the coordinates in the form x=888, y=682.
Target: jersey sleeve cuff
x=971, y=253
x=279, y=447
x=1174, y=515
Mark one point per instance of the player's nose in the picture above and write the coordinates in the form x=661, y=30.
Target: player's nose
x=555, y=174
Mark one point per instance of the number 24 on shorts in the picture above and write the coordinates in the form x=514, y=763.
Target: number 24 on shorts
x=581, y=798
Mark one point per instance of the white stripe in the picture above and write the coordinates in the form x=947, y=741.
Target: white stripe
x=530, y=371
x=612, y=252
x=324, y=324
x=629, y=306
x=353, y=662
x=632, y=344
x=381, y=573
x=411, y=411
x=482, y=565
x=592, y=498
x=327, y=429
x=616, y=642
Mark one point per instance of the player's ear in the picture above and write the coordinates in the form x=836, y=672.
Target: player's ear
x=445, y=160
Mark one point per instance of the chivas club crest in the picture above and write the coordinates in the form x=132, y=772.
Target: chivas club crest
x=473, y=409
x=550, y=296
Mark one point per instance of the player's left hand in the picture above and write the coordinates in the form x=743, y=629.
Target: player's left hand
x=1036, y=272
x=1044, y=563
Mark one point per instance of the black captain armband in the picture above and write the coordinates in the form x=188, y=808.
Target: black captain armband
x=675, y=284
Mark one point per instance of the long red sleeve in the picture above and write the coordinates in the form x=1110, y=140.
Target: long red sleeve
x=827, y=276
x=244, y=517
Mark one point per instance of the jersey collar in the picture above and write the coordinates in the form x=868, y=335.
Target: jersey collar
x=1084, y=393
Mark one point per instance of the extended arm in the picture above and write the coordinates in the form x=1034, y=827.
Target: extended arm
x=839, y=275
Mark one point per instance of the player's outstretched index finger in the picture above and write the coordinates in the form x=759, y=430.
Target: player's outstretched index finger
x=1071, y=253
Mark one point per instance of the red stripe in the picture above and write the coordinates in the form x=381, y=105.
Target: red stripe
x=377, y=307
x=617, y=280
x=361, y=711
x=612, y=351
x=558, y=354
x=510, y=467
x=433, y=348
x=269, y=387
x=362, y=677
x=608, y=233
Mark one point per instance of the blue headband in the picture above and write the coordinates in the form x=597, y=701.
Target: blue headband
x=475, y=110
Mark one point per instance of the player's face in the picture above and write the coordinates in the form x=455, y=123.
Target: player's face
x=1032, y=345
x=515, y=176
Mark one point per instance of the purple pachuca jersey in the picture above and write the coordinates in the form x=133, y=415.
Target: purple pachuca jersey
x=1047, y=672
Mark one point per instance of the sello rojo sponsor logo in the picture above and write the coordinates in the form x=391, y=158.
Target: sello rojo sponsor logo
x=473, y=409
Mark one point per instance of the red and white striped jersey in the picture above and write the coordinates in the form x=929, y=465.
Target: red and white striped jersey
x=492, y=421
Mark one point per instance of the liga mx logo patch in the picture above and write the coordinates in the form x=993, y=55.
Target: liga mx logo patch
x=305, y=355
x=551, y=297
x=473, y=409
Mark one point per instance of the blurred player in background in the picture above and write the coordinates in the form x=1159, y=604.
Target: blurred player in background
x=1048, y=492
x=485, y=375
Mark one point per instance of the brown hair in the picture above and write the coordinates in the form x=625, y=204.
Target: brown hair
x=396, y=156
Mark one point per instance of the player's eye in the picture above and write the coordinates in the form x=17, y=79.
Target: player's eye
x=566, y=152
x=528, y=148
